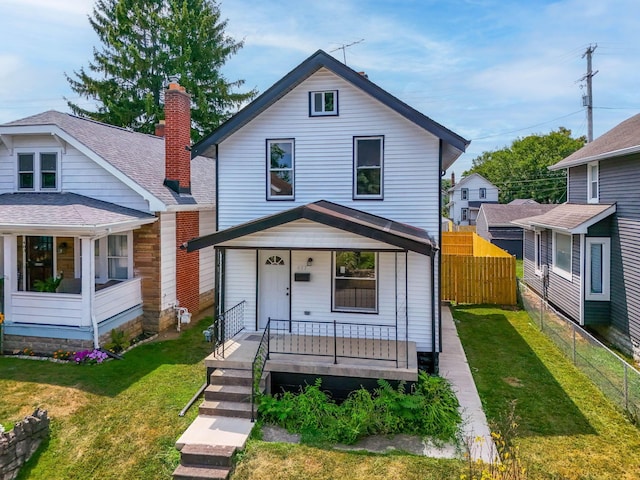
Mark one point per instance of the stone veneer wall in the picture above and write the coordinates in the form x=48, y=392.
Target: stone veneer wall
x=17, y=446
x=146, y=263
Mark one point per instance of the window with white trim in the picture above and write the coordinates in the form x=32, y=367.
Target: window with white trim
x=323, y=103
x=37, y=171
x=538, y=253
x=114, y=257
x=280, y=169
x=593, y=193
x=562, y=247
x=464, y=194
x=355, y=282
x=598, y=268
x=483, y=193
x=368, y=167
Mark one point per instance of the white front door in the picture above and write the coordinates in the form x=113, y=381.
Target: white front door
x=273, y=286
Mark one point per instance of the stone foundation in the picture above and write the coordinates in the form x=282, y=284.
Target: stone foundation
x=207, y=299
x=18, y=445
x=621, y=340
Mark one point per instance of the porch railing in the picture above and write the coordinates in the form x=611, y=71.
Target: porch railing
x=257, y=368
x=227, y=326
x=334, y=339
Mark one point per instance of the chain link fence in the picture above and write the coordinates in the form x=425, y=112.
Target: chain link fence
x=617, y=379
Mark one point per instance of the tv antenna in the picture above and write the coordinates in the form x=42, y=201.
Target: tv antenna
x=344, y=47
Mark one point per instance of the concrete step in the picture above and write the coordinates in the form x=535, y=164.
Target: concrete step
x=207, y=455
x=231, y=393
x=201, y=473
x=230, y=376
x=226, y=409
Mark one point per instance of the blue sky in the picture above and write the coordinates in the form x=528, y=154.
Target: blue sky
x=491, y=70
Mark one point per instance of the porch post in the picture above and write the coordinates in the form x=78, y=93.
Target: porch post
x=89, y=287
x=10, y=273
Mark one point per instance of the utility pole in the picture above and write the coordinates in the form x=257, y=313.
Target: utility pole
x=587, y=100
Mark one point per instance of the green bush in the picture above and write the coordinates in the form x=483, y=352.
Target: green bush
x=430, y=410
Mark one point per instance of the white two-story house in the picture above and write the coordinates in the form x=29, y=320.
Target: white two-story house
x=466, y=197
x=328, y=209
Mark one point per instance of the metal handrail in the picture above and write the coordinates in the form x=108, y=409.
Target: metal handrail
x=257, y=367
x=227, y=326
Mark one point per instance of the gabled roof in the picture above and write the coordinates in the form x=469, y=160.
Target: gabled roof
x=523, y=201
x=137, y=159
x=467, y=178
x=569, y=217
x=501, y=215
x=66, y=212
x=623, y=139
x=331, y=214
x=320, y=59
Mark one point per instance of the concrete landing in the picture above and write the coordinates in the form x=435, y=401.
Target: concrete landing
x=455, y=368
x=216, y=431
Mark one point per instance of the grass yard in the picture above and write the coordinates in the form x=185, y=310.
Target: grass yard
x=568, y=429
x=115, y=420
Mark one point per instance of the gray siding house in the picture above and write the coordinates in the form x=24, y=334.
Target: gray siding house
x=591, y=244
x=494, y=223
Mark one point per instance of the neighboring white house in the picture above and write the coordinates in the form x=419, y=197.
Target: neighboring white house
x=466, y=197
x=97, y=207
x=329, y=206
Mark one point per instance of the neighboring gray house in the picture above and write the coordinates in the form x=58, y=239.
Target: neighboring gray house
x=590, y=246
x=466, y=197
x=494, y=223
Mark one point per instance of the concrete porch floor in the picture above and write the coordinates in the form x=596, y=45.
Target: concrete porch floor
x=240, y=351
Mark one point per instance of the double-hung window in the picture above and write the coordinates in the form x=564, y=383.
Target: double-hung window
x=355, y=281
x=592, y=183
x=598, y=268
x=368, y=167
x=483, y=193
x=538, y=253
x=323, y=103
x=280, y=169
x=562, y=244
x=464, y=194
x=464, y=214
x=38, y=171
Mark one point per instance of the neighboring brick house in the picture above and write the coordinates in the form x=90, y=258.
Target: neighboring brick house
x=585, y=253
x=466, y=197
x=105, y=209
x=494, y=223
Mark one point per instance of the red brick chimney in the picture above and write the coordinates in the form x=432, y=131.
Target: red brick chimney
x=177, y=133
x=453, y=179
x=160, y=128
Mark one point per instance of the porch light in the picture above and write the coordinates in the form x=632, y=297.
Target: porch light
x=309, y=262
x=62, y=248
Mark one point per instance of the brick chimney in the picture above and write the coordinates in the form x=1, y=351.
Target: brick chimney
x=160, y=128
x=177, y=133
x=453, y=179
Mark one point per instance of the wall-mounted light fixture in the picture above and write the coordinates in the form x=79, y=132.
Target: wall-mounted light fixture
x=309, y=261
x=62, y=248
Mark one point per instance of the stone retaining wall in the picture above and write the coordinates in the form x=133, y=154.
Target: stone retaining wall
x=17, y=446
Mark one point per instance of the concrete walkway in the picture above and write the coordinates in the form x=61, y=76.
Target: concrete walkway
x=217, y=431
x=454, y=367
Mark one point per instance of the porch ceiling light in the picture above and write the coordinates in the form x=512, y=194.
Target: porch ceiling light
x=309, y=262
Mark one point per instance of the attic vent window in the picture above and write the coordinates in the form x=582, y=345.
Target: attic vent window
x=323, y=103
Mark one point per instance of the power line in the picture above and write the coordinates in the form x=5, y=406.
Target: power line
x=527, y=128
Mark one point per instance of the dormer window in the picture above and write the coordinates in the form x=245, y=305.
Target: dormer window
x=323, y=103
x=38, y=171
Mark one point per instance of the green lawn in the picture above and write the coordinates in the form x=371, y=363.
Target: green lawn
x=115, y=420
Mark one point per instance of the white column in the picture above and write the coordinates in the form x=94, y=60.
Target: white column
x=88, y=285
x=10, y=271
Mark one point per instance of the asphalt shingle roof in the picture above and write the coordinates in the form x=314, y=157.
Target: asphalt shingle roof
x=616, y=141
x=139, y=156
x=568, y=216
x=500, y=215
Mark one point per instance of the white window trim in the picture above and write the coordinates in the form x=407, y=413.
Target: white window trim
x=102, y=261
x=557, y=270
x=355, y=310
x=362, y=196
x=324, y=113
x=590, y=180
x=37, y=174
x=537, y=247
x=606, y=269
x=293, y=169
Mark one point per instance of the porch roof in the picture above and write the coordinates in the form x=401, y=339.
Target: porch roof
x=331, y=214
x=66, y=213
x=569, y=217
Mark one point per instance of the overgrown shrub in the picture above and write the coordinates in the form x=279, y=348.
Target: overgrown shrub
x=430, y=410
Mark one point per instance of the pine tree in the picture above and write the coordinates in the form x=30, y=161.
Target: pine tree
x=143, y=43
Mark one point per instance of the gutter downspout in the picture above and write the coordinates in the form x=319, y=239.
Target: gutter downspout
x=433, y=312
x=442, y=173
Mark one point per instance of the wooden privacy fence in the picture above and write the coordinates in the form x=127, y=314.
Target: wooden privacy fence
x=476, y=271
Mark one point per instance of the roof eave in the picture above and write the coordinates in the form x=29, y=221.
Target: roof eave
x=594, y=158
x=75, y=230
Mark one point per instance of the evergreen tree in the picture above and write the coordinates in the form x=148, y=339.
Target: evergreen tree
x=520, y=171
x=143, y=43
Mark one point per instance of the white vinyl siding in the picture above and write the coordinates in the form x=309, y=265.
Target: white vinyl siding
x=475, y=186
x=168, y=259
x=77, y=173
x=324, y=158
x=207, y=255
x=240, y=283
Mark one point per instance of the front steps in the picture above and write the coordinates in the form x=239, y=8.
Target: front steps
x=227, y=400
